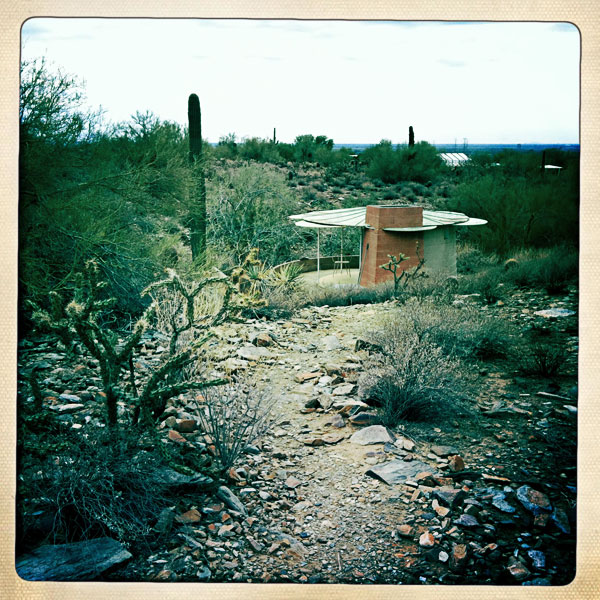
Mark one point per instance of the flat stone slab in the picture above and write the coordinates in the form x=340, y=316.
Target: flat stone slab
x=375, y=434
x=171, y=478
x=67, y=408
x=343, y=390
x=444, y=450
x=553, y=313
x=397, y=471
x=80, y=561
x=254, y=353
x=232, y=501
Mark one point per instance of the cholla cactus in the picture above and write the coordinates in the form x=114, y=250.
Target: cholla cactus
x=79, y=321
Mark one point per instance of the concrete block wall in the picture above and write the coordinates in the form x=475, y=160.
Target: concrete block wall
x=440, y=250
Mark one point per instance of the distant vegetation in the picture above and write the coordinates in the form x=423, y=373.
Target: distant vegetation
x=122, y=194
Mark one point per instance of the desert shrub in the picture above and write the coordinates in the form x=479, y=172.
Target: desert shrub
x=471, y=259
x=461, y=331
x=412, y=380
x=80, y=486
x=280, y=289
x=491, y=284
x=419, y=189
x=553, y=269
x=381, y=162
x=234, y=416
x=543, y=359
x=438, y=287
x=420, y=163
x=259, y=150
x=279, y=303
x=308, y=148
x=521, y=210
x=89, y=191
x=346, y=295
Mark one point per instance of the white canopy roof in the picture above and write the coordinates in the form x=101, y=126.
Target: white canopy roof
x=355, y=217
x=453, y=159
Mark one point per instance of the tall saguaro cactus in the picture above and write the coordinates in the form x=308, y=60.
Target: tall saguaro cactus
x=411, y=137
x=198, y=212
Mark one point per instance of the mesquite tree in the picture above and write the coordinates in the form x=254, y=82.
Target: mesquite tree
x=198, y=212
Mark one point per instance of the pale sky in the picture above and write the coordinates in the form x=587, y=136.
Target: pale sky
x=353, y=81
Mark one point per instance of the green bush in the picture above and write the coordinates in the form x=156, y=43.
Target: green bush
x=235, y=416
x=521, y=210
x=419, y=163
x=462, y=331
x=86, y=486
x=543, y=359
x=346, y=295
x=259, y=150
x=491, y=284
x=552, y=269
x=111, y=194
x=470, y=259
x=248, y=207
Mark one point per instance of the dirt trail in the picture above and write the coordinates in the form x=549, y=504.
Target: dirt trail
x=345, y=520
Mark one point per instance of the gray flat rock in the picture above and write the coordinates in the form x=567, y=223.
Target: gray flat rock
x=343, y=390
x=81, y=561
x=397, y=471
x=375, y=434
x=170, y=477
x=231, y=500
x=254, y=353
x=331, y=342
x=553, y=313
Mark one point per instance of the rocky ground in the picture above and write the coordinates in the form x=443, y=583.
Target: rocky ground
x=331, y=496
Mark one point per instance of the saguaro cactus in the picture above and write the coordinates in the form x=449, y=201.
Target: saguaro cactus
x=543, y=167
x=411, y=137
x=198, y=212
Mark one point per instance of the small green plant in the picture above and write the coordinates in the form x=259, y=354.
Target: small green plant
x=286, y=277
